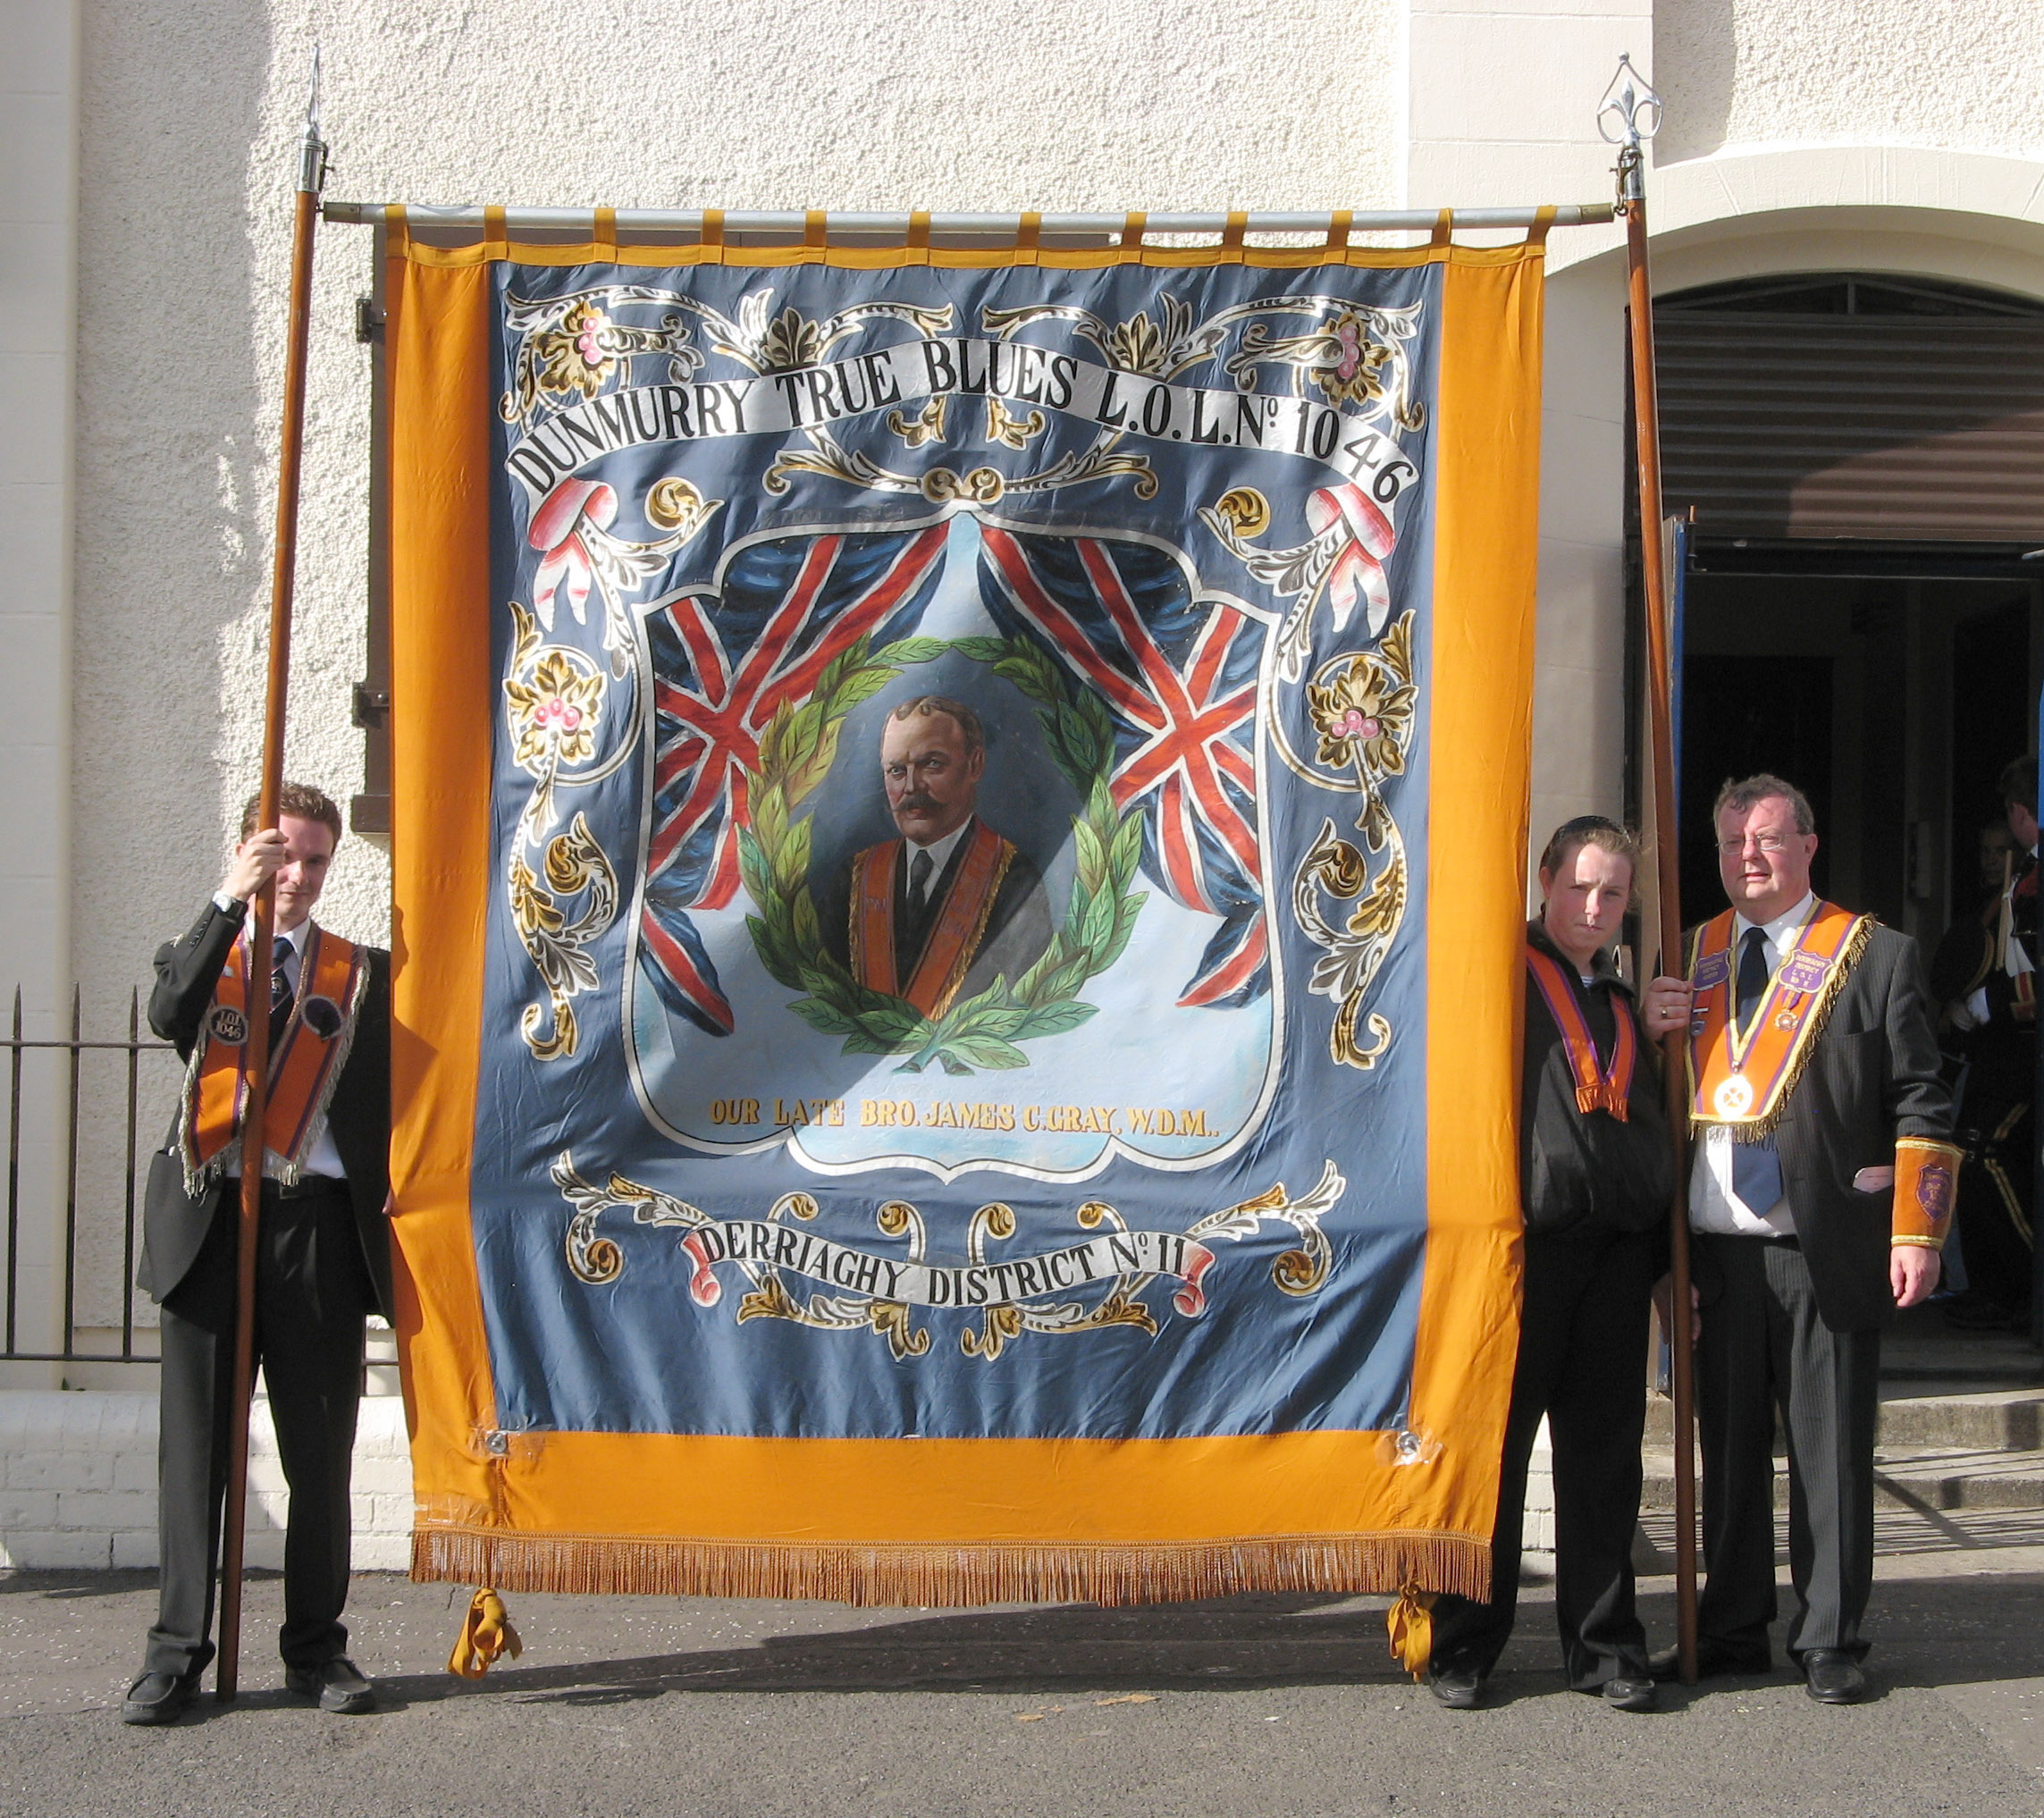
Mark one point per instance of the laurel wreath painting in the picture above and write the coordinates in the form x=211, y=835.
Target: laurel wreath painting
x=796, y=754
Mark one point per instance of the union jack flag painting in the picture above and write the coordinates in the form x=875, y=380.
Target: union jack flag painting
x=722, y=665
x=1179, y=677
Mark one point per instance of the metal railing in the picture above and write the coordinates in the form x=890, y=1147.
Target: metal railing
x=73, y=1051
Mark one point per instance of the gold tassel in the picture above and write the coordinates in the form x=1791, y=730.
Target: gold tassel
x=486, y=1633
x=1410, y=1621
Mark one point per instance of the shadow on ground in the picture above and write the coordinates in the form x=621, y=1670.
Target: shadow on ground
x=1958, y=1630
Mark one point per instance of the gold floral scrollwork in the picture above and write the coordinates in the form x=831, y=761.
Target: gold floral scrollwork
x=1245, y=511
x=1362, y=705
x=553, y=709
x=925, y=425
x=981, y=486
x=574, y=863
x=999, y=1326
x=567, y=350
x=601, y=1260
x=1004, y=427
x=673, y=505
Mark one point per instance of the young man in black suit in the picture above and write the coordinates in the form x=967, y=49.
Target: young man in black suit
x=322, y=1254
x=1821, y=1189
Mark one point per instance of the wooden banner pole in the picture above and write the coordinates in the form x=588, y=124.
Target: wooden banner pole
x=1646, y=421
x=256, y=1049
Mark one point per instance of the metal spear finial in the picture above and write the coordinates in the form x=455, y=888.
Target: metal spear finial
x=312, y=146
x=1626, y=117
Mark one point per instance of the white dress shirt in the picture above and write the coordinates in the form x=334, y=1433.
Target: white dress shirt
x=321, y=1156
x=1713, y=1206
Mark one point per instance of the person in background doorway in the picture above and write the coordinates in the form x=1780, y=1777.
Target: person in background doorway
x=1985, y=976
x=1595, y=1179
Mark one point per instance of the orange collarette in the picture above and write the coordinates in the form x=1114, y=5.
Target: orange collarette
x=302, y=1069
x=1597, y=1088
x=1740, y=1078
x=947, y=953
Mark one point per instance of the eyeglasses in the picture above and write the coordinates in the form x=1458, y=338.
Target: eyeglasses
x=1760, y=842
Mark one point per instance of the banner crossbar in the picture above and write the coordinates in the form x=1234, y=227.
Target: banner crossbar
x=691, y=220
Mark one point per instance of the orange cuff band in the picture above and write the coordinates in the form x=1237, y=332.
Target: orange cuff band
x=1926, y=1190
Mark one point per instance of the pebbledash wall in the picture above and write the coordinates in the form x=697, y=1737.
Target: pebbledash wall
x=145, y=165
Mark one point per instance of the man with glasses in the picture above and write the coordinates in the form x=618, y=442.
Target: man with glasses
x=1821, y=1188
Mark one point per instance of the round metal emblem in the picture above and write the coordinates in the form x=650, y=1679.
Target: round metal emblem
x=1733, y=1097
x=225, y=1023
x=322, y=1016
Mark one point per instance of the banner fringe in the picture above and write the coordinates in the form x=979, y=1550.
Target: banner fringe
x=952, y=1576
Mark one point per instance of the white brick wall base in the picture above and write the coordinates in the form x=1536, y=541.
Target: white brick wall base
x=77, y=1482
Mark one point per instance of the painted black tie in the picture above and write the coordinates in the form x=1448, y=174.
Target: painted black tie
x=919, y=885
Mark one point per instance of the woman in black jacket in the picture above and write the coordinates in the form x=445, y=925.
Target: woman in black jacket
x=1596, y=1180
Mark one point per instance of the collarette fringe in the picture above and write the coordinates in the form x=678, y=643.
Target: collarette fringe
x=1758, y=1129
x=952, y=1576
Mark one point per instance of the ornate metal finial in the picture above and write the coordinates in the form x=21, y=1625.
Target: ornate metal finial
x=312, y=147
x=1627, y=116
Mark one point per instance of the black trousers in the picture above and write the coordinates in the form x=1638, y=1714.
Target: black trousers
x=1582, y=1363
x=1763, y=1347
x=312, y=1295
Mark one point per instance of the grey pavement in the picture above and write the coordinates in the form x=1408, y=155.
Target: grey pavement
x=1282, y=1705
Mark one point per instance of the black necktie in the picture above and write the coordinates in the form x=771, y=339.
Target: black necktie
x=1756, y=1166
x=1752, y=975
x=918, y=884
x=281, y=994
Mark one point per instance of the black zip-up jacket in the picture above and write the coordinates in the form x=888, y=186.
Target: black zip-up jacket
x=1589, y=1172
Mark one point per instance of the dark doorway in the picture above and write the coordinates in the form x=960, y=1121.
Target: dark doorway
x=1992, y=703
x=1744, y=714
x=1892, y=701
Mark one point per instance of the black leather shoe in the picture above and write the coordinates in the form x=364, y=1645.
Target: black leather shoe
x=1632, y=1694
x=1715, y=1660
x=337, y=1684
x=1831, y=1676
x=158, y=1698
x=1460, y=1688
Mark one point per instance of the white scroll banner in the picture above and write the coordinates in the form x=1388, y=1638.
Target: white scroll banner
x=816, y=397
x=1097, y=1262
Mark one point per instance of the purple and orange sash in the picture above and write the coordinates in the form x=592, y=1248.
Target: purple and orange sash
x=1739, y=1078
x=1597, y=1088
x=306, y=1061
x=953, y=939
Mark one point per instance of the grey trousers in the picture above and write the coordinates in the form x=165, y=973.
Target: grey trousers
x=1763, y=1347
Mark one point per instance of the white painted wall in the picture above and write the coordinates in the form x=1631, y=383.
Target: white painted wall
x=39, y=136
x=1950, y=74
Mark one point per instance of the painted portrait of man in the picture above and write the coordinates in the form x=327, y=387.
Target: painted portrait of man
x=938, y=914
